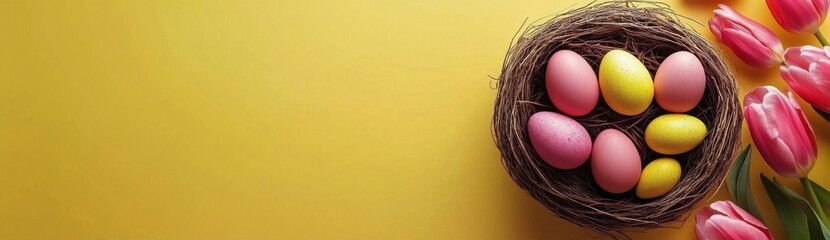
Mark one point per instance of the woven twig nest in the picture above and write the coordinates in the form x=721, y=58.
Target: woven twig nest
x=651, y=31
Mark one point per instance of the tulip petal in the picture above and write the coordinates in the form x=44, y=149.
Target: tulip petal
x=803, y=56
x=734, y=211
x=710, y=231
x=768, y=122
x=757, y=30
x=700, y=220
x=776, y=12
x=803, y=117
x=815, y=89
x=812, y=133
x=811, y=54
x=758, y=122
x=821, y=8
x=725, y=220
x=720, y=225
x=715, y=25
x=786, y=120
x=749, y=49
x=820, y=72
x=756, y=96
x=806, y=142
x=786, y=135
x=792, y=57
x=699, y=231
x=795, y=16
x=779, y=127
x=810, y=85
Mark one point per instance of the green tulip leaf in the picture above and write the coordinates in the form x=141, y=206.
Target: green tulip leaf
x=823, y=196
x=738, y=184
x=798, y=218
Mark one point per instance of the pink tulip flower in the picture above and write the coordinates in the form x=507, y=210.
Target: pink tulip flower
x=799, y=16
x=725, y=220
x=808, y=74
x=753, y=43
x=780, y=131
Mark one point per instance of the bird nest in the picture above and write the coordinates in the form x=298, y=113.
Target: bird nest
x=651, y=31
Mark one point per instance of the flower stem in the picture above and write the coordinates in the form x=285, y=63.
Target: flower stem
x=821, y=38
x=808, y=187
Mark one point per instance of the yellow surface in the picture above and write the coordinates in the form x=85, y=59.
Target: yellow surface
x=276, y=120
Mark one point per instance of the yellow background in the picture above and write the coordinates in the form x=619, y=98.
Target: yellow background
x=277, y=120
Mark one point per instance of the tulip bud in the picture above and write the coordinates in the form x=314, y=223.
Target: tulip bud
x=808, y=72
x=753, y=43
x=725, y=220
x=780, y=131
x=799, y=16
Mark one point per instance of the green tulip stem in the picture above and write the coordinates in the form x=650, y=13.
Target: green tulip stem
x=821, y=38
x=808, y=187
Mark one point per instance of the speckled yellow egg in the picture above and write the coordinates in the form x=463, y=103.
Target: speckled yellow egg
x=672, y=134
x=658, y=178
x=625, y=83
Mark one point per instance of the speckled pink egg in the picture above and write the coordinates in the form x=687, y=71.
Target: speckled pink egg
x=559, y=140
x=571, y=83
x=679, y=82
x=615, y=162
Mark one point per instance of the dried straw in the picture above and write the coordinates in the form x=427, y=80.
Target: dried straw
x=651, y=31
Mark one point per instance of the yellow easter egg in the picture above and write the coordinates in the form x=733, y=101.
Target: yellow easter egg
x=658, y=178
x=672, y=134
x=625, y=83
